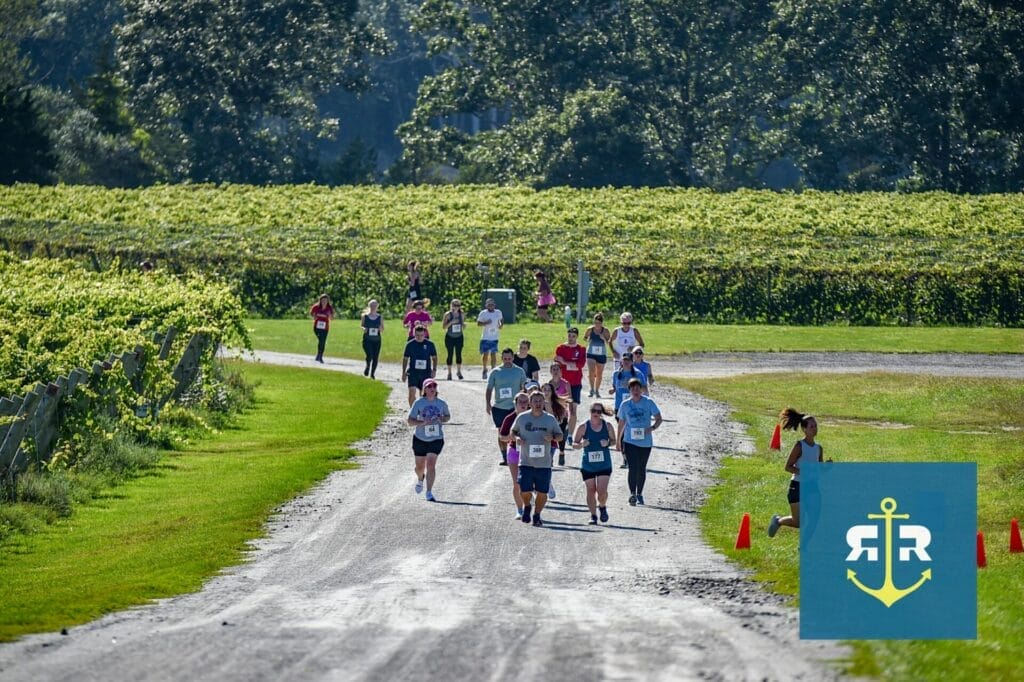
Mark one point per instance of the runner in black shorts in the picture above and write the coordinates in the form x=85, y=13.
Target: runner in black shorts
x=419, y=362
x=595, y=437
x=428, y=414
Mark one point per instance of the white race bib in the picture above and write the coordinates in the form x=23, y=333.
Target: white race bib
x=456, y=328
x=596, y=350
x=536, y=451
x=372, y=331
x=638, y=433
x=595, y=457
x=321, y=324
x=570, y=366
x=432, y=430
x=504, y=393
x=420, y=364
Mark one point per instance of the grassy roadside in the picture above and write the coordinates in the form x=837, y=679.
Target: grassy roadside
x=146, y=539
x=296, y=336
x=879, y=417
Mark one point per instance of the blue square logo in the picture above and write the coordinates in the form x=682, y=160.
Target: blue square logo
x=887, y=551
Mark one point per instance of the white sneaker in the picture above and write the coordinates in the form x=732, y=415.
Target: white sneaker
x=551, y=492
x=430, y=496
x=419, y=487
x=519, y=515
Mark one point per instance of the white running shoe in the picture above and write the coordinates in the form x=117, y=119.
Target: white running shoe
x=419, y=487
x=551, y=492
x=519, y=515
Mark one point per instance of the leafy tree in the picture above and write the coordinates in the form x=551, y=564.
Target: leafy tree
x=229, y=88
x=25, y=148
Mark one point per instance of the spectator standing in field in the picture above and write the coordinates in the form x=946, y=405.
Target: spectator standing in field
x=625, y=337
x=595, y=438
x=572, y=357
x=415, y=289
x=544, y=296
x=596, y=338
x=805, y=448
x=322, y=313
x=535, y=431
x=643, y=366
x=505, y=433
x=527, y=362
x=635, y=429
x=418, y=316
x=428, y=414
x=491, y=319
x=419, y=361
x=499, y=398
x=454, y=325
x=372, y=325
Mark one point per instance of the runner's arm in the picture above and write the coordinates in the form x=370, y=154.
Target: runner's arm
x=577, y=440
x=794, y=455
x=656, y=424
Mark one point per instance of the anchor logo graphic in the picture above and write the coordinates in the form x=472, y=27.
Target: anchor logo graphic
x=888, y=593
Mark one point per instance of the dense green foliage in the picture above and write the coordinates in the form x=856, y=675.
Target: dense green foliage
x=880, y=94
x=665, y=254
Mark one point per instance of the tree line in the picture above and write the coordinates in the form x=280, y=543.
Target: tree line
x=905, y=95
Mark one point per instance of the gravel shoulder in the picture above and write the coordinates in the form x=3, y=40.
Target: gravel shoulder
x=362, y=579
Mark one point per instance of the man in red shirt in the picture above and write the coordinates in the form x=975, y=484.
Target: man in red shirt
x=573, y=358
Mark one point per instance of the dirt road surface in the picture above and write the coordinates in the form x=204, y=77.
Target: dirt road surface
x=363, y=579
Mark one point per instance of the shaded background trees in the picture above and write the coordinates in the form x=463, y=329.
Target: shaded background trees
x=879, y=94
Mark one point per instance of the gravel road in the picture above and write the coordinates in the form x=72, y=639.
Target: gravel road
x=363, y=579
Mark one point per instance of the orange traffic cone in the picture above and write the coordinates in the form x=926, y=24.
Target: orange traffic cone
x=1015, y=543
x=743, y=537
x=776, y=443
x=982, y=561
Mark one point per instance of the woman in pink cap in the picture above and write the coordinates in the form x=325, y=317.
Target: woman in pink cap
x=428, y=414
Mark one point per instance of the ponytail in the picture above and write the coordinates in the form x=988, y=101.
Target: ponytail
x=791, y=419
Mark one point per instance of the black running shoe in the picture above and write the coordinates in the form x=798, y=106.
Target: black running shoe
x=604, y=514
x=561, y=459
x=593, y=519
x=526, y=514
x=536, y=520
x=632, y=500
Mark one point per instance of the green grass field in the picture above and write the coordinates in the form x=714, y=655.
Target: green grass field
x=145, y=540
x=961, y=420
x=296, y=336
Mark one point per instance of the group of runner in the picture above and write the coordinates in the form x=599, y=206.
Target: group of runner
x=536, y=421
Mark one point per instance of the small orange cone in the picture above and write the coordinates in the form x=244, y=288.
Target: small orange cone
x=982, y=561
x=1015, y=543
x=743, y=537
x=776, y=443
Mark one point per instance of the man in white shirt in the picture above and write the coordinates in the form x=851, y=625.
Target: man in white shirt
x=491, y=319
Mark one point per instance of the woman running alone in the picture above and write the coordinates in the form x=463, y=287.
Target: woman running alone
x=805, y=448
x=372, y=325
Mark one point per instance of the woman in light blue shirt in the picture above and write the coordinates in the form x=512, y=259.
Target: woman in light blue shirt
x=638, y=418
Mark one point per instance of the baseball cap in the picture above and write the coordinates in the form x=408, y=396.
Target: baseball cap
x=627, y=356
x=429, y=382
x=531, y=385
x=638, y=349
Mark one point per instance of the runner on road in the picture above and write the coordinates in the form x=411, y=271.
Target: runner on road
x=596, y=338
x=492, y=321
x=505, y=433
x=454, y=325
x=635, y=429
x=534, y=432
x=625, y=337
x=372, y=325
x=595, y=437
x=526, y=361
x=643, y=366
x=418, y=316
x=322, y=313
x=428, y=414
x=620, y=386
x=572, y=357
x=502, y=386
x=419, y=361
x=791, y=419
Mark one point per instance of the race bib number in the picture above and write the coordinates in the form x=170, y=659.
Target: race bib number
x=638, y=433
x=504, y=393
x=596, y=350
x=536, y=451
x=570, y=366
x=373, y=331
x=595, y=457
x=421, y=364
x=432, y=430
x=321, y=324
x=456, y=328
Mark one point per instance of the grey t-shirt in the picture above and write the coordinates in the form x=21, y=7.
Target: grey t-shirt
x=431, y=411
x=536, y=452
x=504, y=383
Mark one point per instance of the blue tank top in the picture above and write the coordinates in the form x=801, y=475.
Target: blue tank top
x=596, y=458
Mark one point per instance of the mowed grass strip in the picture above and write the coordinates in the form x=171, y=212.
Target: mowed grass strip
x=166, y=532
x=887, y=418
x=345, y=339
